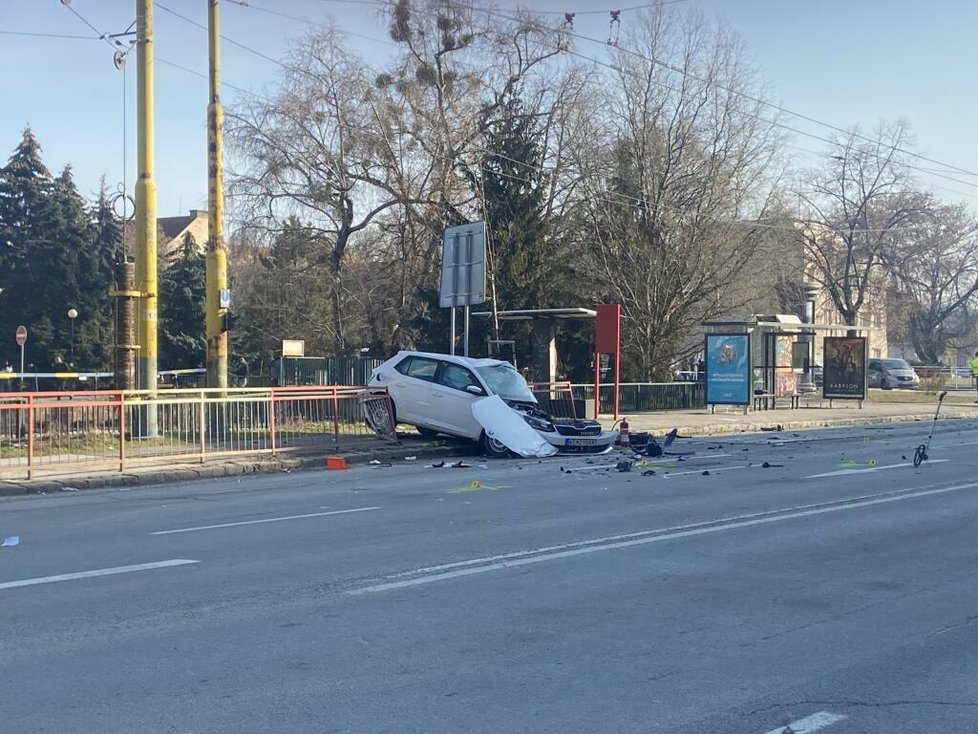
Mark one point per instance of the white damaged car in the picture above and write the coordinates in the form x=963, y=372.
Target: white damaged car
x=485, y=400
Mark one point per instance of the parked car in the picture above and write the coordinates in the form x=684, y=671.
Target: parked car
x=440, y=393
x=891, y=373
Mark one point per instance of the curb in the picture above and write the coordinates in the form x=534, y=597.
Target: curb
x=714, y=429
x=231, y=468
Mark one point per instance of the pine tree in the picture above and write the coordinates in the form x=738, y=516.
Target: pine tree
x=26, y=219
x=183, y=342
x=55, y=255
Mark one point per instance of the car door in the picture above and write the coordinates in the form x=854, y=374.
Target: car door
x=452, y=402
x=410, y=389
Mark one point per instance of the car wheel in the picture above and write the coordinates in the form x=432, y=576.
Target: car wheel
x=427, y=432
x=492, y=447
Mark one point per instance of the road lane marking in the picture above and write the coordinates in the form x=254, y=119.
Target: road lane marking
x=712, y=470
x=844, y=472
x=263, y=520
x=810, y=724
x=95, y=573
x=459, y=569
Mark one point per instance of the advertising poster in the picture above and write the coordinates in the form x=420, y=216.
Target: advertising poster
x=728, y=369
x=844, y=371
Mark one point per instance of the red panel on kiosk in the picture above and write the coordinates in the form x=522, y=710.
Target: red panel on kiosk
x=607, y=329
x=607, y=340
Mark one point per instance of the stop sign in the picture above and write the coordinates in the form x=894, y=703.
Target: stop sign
x=21, y=335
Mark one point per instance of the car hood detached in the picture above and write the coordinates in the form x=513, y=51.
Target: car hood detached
x=502, y=423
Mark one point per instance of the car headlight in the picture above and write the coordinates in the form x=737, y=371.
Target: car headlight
x=538, y=423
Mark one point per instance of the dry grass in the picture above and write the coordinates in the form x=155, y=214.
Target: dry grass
x=923, y=396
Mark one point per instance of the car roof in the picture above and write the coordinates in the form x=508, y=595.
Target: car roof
x=457, y=359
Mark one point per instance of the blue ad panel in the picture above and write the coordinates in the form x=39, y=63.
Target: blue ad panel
x=728, y=369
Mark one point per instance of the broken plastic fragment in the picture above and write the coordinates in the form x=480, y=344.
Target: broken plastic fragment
x=10, y=542
x=410, y=458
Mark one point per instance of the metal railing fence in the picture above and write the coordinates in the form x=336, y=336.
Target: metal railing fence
x=639, y=397
x=68, y=432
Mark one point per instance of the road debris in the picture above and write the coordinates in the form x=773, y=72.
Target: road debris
x=410, y=458
x=10, y=542
x=623, y=466
x=768, y=465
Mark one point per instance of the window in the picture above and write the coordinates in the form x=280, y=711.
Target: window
x=418, y=367
x=456, y=376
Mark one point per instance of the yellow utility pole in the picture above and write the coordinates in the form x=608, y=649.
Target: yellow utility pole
x=217, y=263
x=146, y=282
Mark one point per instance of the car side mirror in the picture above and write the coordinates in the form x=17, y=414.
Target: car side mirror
x=475, y=390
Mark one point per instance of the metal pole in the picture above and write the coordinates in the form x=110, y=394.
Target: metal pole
x=146, y=278
x=216, y=263
x=451, y=344
x=465, y=339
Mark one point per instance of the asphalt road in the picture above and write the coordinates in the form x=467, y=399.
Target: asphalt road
x=835, y=590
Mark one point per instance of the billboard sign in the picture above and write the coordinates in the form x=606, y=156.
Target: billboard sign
x=844, y=370
x=728, y=369
x=463, y=266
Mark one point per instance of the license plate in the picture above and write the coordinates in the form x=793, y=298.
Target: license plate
x=582, y=442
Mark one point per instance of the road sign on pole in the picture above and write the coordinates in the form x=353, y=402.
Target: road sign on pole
x=463, y=272
x=21, y=341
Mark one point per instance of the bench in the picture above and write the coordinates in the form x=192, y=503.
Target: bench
x=768, y=401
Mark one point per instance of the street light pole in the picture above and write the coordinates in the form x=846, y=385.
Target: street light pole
x=72, y=315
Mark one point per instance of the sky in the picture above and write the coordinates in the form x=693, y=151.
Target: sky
x=839, y=62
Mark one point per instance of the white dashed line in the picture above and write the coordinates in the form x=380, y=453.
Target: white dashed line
x=95, y=573
x=810, y=724
x=263, y=520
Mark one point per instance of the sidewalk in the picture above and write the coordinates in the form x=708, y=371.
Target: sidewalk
x=697, y=422
x=731, y=419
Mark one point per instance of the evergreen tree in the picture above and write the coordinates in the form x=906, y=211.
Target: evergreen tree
x=96, y=265
x=182, y=337
x=55, y=255
x=26, y=221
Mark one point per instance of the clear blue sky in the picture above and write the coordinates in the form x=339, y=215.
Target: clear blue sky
x=844, y=62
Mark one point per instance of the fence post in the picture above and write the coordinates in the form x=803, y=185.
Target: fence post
x=271, y=418
x=30, y=436
x=122, y=431
x=336, y=419
x=203, y=426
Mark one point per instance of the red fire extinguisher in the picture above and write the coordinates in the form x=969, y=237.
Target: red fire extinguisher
x=623, y=433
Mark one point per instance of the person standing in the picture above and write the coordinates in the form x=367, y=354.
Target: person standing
x=973, y=364
x=241, y=372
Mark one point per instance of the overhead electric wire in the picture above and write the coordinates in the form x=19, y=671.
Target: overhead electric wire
x=102, y=36
x=225, y=38
x=308, y=21
x=638, y=201
x=33, y=34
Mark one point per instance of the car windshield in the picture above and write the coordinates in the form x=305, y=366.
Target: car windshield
x=895, y=364
x=506, y=382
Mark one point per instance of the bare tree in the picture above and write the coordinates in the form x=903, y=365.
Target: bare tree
x=935, y=268
x=676, y=168
x=854, y=210
x=313, y=152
